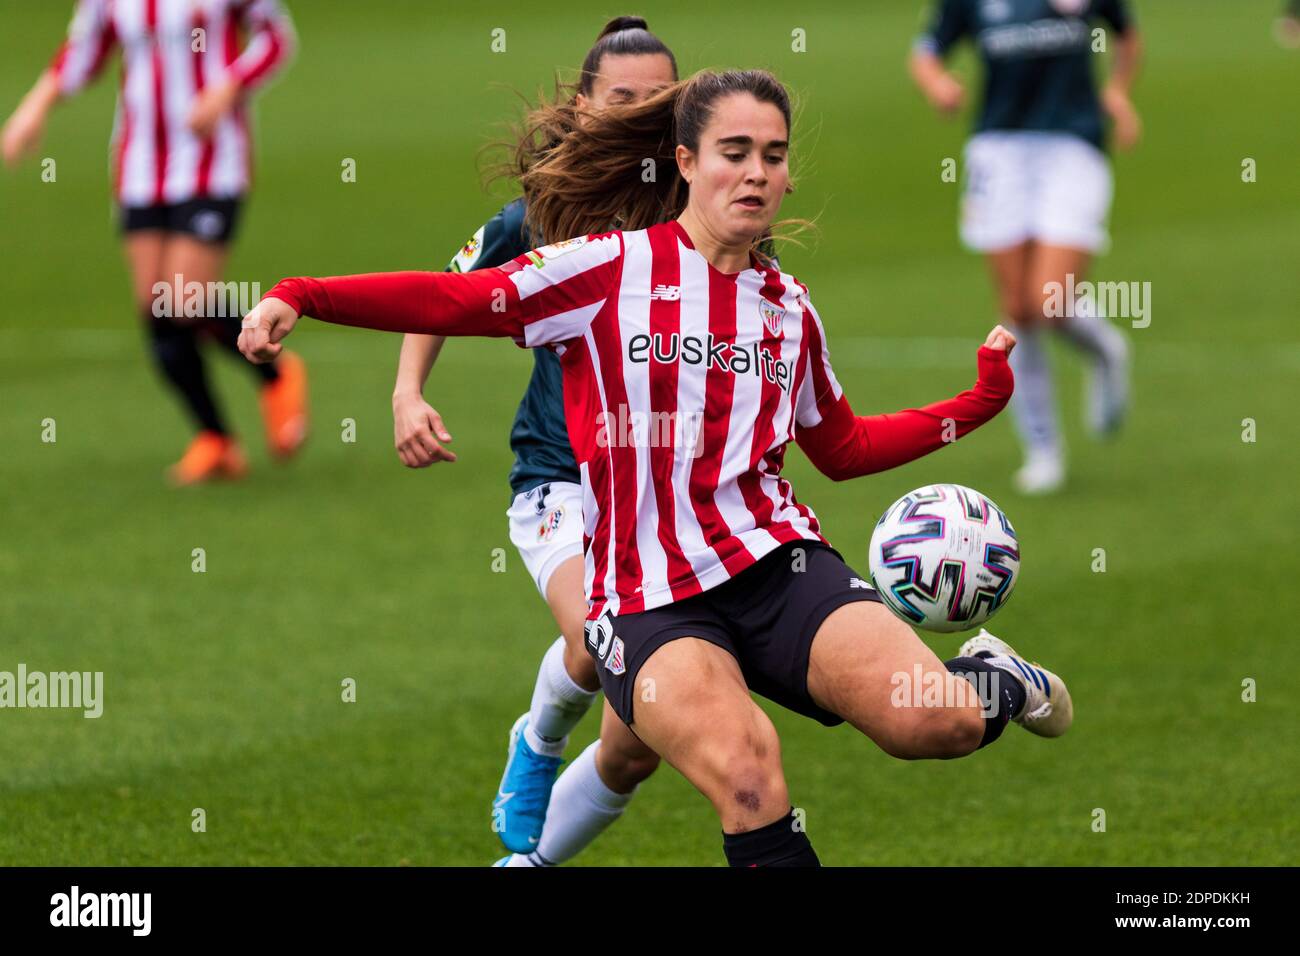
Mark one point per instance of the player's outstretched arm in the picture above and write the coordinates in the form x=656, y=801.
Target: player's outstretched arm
x=520, y=299
x=443, y=303
x=844, y=446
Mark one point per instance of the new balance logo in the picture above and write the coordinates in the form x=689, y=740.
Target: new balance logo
x=669, y=293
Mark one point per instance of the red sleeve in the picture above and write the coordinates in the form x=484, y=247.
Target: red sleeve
x=844, y=446
x=270, y=44
x=81, y=57
x=484, y=302
x=543, y=297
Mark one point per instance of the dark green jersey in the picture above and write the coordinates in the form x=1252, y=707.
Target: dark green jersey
x=1037, y=59
x=538, y=436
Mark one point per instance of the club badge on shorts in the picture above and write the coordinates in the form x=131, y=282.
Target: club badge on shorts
x=550, y=523
x=614, y=662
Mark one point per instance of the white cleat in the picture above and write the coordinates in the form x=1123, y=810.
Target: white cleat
x=1108, y=390
x=1042, y=473
x=1048, y=710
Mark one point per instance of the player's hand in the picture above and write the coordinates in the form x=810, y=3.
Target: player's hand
x=22, y=134
x=210, y=106
x=417, y=431
x=946, y=93
x=1128, y=125
x=265, y=326
x=1000, y=340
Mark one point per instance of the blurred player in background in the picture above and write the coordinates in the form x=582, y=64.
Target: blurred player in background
x=1287, y=26
x=181, y=168
x=1038, y=188
x=626, y=64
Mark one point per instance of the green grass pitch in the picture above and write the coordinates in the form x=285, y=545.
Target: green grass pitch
x=222, y=689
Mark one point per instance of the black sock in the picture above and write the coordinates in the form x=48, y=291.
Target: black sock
x=224, y=330
x=1007, y=689
x=177, y=353
x=781, y=843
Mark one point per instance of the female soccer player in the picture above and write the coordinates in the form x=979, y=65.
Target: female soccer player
x=1038, y=189
x=706, y=577
x=181, y=169
x=626, y=64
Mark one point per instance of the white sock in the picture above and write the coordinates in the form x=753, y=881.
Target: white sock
x=1087, y=329
x=518, y=859
x=580, y=810
x=1032, y=404
x=558, y=704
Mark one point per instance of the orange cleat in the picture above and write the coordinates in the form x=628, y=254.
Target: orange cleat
x=284, y=406
x=210, y=455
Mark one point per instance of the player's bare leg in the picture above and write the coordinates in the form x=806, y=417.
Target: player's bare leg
x=875, y=672
x=861, y=656
x=701, y=720
x=1033, y=404
x=568, y=604
x=1085, y=327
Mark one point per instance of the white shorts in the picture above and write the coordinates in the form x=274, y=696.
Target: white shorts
x=1023, y=184
x=546, y=528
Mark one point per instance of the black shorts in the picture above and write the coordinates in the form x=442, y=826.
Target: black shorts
x=765, y=617
x=208, y=220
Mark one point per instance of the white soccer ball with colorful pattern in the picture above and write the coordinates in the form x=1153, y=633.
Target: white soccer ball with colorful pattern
x=944, y=558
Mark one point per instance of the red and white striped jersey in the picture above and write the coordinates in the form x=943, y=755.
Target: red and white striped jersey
x=712, y=374
x=171, y=50
x=682, y=388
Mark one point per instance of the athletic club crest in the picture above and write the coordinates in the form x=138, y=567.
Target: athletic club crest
x=773, y=316
x=614, y=662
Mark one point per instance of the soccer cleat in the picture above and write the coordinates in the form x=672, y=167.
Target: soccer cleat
x=210, y=455
x=504, y=861
x=519, y=809
x=1048, y=710
x=284, y=406
x=1108, y=390
x=1043, y=473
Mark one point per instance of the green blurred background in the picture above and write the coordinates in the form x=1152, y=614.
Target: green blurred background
x=223, y=689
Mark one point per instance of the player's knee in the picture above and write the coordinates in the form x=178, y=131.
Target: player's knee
x=748, y=773
x=579, y=665
x=623, y=770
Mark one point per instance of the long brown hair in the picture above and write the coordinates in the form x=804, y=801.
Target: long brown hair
x=582, y=173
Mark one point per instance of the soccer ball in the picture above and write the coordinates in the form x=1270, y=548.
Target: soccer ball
x=944, y=558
